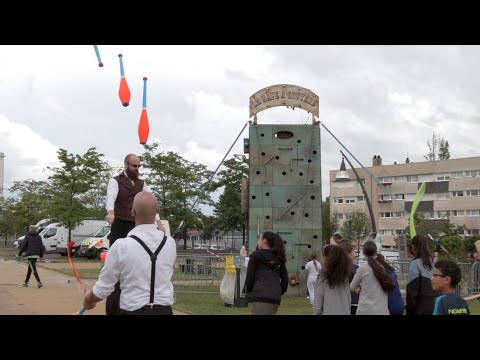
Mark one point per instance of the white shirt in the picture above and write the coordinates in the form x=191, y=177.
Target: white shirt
x=112, y=192
x=128, y=262
x=312, y=270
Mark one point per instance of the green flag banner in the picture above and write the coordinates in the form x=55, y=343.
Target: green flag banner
x=418, y=197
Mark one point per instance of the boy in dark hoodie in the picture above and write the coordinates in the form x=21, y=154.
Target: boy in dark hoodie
x=267, y=277
x=33, y=247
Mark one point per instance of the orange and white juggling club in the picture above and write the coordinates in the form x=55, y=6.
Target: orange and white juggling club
x=143, y=127
x=124, y=91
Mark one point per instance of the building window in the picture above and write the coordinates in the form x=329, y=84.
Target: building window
x=348, y=216
x=360, y=198
x=472, y=192
x=339, y=216
x=472, y=212
x=457, y=193
x=400, y=231
x=349, y=200
x=472, y=232
x=386, y=232
x=443, y=196
x=457, y=213
x=399, y=196
x=443, y=177
x=338, y=200
x=399, y=179
x=456, y=175
x=384, y=197
x=412, y=178
x=385, y=179
x=472, y=173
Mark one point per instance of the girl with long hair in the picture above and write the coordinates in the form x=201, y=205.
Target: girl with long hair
x=420, y=294
x=373, y=282
x=312, y=268
x=332, y=291
x=267, y=277
x=395, y=299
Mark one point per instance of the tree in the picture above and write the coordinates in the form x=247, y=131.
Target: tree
x=178, y=184
x=438, y=148
x=435, y=227
x=9, y=221
x=228, y=208
x=33, y=203
x=444, y=150
x=95, y=199
x=71, y=181
x=356, y=229
x=329, y=223
x=454, y=246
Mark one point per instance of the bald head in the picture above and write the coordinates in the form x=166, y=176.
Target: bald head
x=145, y=207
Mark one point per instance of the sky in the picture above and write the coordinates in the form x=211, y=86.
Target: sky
x=377, y=100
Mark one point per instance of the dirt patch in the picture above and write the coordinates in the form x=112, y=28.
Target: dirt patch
x=60, y=295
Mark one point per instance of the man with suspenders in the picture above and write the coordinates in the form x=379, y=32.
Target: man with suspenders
x=143, y=262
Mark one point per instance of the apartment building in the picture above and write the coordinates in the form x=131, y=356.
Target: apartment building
x=452, y=189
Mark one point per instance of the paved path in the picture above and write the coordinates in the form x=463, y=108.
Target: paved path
x=60, y=294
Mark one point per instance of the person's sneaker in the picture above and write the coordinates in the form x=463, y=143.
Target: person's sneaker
x=39, y=285
x=25, y=284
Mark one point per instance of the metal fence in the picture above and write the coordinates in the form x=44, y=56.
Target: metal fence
x=198, y=273
x=468, y=285
x=203, y=274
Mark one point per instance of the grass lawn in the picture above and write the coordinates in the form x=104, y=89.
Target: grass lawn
x=83, y=273
x=207, y=304
x=202, y=304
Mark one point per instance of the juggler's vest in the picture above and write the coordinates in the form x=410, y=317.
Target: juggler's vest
x=126, y=193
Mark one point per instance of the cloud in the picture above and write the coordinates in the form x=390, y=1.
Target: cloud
x=383, y=100
x=27, y=154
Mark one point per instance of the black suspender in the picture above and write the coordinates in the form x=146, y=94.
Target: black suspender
x=153, y=257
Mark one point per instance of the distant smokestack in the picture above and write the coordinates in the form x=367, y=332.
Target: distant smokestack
x=2, y=155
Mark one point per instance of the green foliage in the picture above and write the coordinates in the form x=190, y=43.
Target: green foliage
x=356, y=229
x=228, y=208
x=329, y=223
x=438, y=148
x=470, y=243
x=444, y=150
x=33, y=202
x=96, y=198
x=76, y=176
x=10, y=223
x=435, y=227
x=455, y=246
x=178, y=184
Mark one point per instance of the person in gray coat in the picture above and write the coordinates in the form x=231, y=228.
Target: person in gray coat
x=374, y=284
x=332, y=291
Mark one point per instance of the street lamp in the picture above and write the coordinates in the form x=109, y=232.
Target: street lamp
x=367, y=199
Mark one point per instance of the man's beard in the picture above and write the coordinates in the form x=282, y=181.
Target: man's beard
x=132, y=174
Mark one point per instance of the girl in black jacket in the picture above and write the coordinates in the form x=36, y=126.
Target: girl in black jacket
x=267, y=277
x=33, y=247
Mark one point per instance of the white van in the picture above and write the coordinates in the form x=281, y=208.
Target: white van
x=58, y=235
x=94, y=246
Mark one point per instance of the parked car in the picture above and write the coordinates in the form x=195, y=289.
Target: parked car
x=217, y=247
